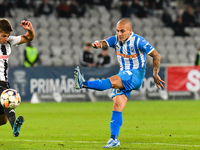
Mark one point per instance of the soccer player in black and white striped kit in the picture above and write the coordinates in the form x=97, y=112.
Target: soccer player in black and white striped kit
x=6, y=42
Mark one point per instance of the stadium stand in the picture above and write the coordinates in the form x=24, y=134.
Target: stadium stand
x=60, y=40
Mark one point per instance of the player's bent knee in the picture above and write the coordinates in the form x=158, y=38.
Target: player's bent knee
x=116, y=82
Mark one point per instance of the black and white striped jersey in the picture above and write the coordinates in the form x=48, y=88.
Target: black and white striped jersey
x=5, y=51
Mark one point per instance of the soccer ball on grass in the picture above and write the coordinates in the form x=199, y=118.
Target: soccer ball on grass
x=10, y=98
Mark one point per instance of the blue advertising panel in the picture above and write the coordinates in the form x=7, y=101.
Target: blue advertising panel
x=49, y=82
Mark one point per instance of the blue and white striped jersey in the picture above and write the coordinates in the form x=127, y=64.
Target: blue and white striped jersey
x=131, y=54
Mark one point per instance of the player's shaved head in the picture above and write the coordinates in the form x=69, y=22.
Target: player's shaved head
x=125, y=22
x=123, y=29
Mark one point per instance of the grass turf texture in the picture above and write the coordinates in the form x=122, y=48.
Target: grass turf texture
x=147, y=125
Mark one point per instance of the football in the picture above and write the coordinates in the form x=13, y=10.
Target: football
x=10, y=98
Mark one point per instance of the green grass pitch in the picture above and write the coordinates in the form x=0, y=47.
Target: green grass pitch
x=147, y=125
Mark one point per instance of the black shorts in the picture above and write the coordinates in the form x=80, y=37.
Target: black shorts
x=3, y=86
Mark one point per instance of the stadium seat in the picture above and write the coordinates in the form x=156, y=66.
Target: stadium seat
x=85, y=23
x=67, y=60
x=190, y=41
x=169, y=40
x=182, y=58
x=76, y=59
x=196, y=31
x=65, y=42
x=137, y=22
x=53, y=22
x=43, y=32
x=76, y=41
x=74, y=22
x=86, y=32
x=191, y=49
x=191, y=58
x=77, y=48
x=139, y=31
x=147, y=22
x=197, y=40
x=44, y=50
x=64, y=32
x=158, y=31
x=106, y=32
x=63, y=22
x=85, y=39
x=54, y=32
x=179, y=40
x=13, y=61
x=44, y=42
x=173, y=59
x=54, y=41
x=148, y=31
x=93, y=13
x=57, y=61
x=56, y=51
x=45, y=60
x=43, y=24
x=168, y=31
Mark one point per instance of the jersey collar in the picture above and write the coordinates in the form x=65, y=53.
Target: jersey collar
x=128, y=38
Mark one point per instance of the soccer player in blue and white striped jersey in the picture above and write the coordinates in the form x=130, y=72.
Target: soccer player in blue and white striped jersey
x=130, y=50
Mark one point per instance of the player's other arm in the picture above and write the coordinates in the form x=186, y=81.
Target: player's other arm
x=156, y=68
x=30, y=34
x=99, y=44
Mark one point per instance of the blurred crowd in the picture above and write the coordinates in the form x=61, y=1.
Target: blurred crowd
x=190, y=17
x=140, y=8
x=63, y=8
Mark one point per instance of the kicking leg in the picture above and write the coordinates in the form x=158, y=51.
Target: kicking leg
x=96, y=84
x=112, y=82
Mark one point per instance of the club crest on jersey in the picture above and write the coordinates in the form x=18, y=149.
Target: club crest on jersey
x=132, y=49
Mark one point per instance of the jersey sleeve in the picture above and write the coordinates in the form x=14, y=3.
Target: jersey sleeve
x=145, y=46
x=111, y=41
x=14, y=40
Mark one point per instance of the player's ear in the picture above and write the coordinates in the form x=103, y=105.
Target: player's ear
x=130, y=31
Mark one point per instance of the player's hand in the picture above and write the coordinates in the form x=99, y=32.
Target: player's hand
x=97, y=44
x=26, y=25
x=158, y=81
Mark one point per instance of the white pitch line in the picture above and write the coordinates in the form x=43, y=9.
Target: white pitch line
x=52, y=141
x=98, y=142
x=162, y=135
x=183, y=145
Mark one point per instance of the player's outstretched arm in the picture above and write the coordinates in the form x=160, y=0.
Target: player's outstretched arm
x=156, y=69
x=30, y=34
x=99, y=44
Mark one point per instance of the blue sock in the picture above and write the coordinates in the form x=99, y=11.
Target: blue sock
x=98, y=84
x=115, y=123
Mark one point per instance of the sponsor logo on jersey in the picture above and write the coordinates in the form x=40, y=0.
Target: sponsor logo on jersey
x=4, y=56
x=126, y=56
